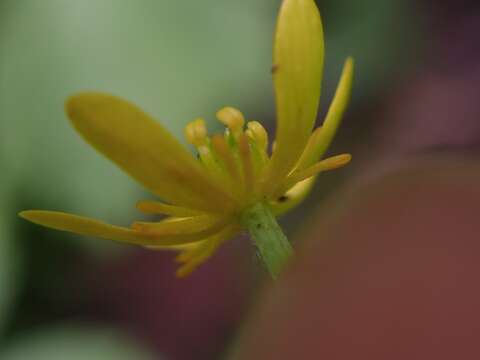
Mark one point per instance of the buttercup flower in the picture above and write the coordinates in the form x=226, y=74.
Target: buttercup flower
x=205, y=197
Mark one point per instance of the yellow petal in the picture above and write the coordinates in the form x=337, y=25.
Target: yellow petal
x=292, y=197
x=145, y=150
x=84, y=226
x=322, y=138
x=297, y=73
x=298, y=184
x=330, y=163
x=91, y=227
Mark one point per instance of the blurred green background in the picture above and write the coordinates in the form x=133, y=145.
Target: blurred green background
x=82, y=298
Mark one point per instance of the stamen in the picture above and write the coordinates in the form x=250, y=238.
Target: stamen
x=196, y=256
x=257, y=132
x=330, y=163
x=196, y=132
x=178, y=226
x=187, y=254
x=155, y=207
x=246, y=158
x=222, y=150
x=233, y=119
x=181, y=247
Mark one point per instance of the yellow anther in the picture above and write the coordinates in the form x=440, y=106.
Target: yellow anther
x=196, y=132
x=232, y=118
x=257, y=132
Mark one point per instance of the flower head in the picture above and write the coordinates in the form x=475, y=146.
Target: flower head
x=204, y=197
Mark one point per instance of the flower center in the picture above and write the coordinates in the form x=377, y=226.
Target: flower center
x=236, y=158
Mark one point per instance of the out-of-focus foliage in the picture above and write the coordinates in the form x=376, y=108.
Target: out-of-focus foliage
x=9, y=261
x=74, y=343
x=377, y=33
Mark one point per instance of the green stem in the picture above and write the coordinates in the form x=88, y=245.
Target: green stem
x=271, y=242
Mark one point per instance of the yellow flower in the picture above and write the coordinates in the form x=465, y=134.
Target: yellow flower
x=204, y=198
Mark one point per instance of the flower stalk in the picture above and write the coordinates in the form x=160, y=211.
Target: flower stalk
x=271, y=243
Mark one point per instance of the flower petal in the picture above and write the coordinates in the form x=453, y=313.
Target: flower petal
x=145, y=150
x=331, y=163
x=297, y=73
x=322, y=137
x=84, y=226
x=91, y=227
x=298, y=184
x=292, y=197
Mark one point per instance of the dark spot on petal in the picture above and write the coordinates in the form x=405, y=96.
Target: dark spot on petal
x=282, y=198
x=275, y=68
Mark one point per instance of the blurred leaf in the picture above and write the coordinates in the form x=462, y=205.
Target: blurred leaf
x=9, y=261
x=75, y=343
x=377, y=33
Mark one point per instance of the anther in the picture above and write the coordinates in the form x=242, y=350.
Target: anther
x=196, y=132
x=232, y=118
x=257, y=132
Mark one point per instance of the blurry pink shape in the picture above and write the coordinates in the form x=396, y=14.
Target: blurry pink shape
x=392, y=272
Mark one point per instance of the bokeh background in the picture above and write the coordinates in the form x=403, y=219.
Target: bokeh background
x=416, y=94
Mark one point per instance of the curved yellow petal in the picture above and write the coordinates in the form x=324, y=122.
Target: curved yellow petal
x=292, y=197
x=91, y=227
x=145, y=150
x=84, y=226
x=322, y=138
x=299, y=183
x=297, y=73
x=331, y=163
